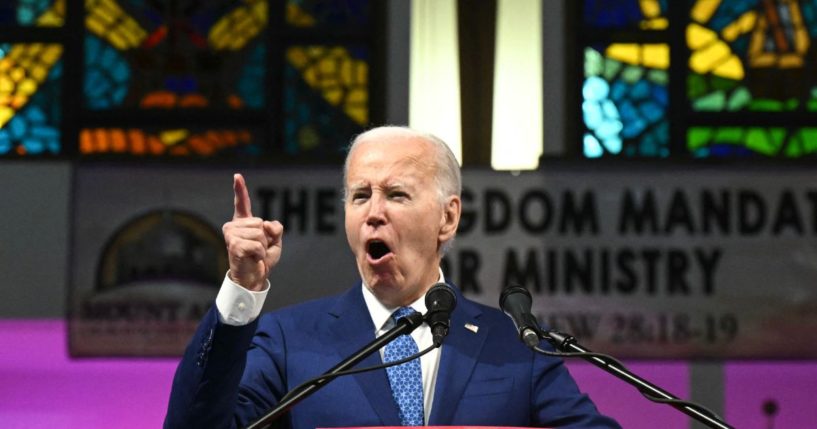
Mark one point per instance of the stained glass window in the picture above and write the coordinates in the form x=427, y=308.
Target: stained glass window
x=325, y=85
x=31, y=77
x=625, y=86
x=164, y=57
x=195, y=79
x=325, y=94
x=744, y=88
x=29, y=116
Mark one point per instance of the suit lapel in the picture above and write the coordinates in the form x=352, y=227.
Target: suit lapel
x=460, y=352
x=349, y=332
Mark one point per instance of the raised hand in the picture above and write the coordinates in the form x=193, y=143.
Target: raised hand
x=253, y=244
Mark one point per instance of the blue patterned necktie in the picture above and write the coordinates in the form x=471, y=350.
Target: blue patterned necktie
x=407, y=379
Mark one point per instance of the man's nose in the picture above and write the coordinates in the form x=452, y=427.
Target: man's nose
x=377, y=211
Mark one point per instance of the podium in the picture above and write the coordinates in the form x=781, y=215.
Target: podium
x=433, y=427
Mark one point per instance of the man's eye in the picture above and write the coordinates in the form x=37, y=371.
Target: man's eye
x=398, y=195
x=359, y=196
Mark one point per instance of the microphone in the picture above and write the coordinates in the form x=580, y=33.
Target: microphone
x=515, y=301
x=440, y=302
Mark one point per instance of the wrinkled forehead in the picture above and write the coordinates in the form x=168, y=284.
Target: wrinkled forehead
x=378, y=159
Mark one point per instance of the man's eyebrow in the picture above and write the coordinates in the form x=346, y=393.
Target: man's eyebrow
x=403, y=187
x=358, y=186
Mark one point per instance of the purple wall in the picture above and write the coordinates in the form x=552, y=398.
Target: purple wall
x=40, y=386
x=623, y=402
x=791, y=385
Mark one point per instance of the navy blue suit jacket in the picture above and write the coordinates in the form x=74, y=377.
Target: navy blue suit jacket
x=230, y=376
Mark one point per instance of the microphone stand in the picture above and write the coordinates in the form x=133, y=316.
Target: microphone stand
x=567, y=343
x=403, y=326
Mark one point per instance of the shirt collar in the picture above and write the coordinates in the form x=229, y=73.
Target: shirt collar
x=381, y=314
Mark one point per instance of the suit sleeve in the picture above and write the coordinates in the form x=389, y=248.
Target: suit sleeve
x=218, y=383
x=557, y=401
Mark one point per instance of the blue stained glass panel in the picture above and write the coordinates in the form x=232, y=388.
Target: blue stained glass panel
x=251, y=76
x=727, y=11
x=624, y=109
x=617, y=14
x=809, y=9
x=107, y=75
x=612, y=13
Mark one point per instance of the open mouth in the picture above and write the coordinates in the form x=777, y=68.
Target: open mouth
x=377, y=249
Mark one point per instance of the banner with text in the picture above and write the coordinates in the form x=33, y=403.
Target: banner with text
x=670, y=263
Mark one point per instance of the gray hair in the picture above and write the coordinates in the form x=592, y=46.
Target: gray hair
x=447, y=177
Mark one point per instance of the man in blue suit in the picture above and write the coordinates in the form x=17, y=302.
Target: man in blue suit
x=402, y=208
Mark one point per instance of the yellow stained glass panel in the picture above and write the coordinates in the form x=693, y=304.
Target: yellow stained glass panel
x=740, y=26
x=703, y=10
x=653, y=55
x=650, y=8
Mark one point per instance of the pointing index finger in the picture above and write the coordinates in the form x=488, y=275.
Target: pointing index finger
x=242, y=197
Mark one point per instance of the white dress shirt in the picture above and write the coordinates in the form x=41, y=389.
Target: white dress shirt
x=429, y=362
x=238, y=306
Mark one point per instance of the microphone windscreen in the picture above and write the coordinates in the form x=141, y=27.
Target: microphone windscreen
x=518, y=295
x=440, y=298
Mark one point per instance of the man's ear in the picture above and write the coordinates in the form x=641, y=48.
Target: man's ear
x=452, y=209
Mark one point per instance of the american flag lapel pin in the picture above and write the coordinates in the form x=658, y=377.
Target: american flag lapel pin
x=471, y=327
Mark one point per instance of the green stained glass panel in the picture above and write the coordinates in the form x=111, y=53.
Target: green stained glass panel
x=718, y=142
x=763, y=67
